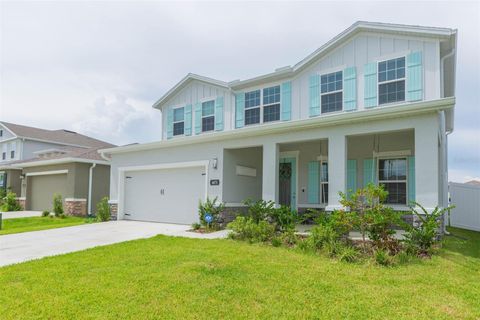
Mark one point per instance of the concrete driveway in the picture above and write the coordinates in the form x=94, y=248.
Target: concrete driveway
x=20, y=247
x=20, y=214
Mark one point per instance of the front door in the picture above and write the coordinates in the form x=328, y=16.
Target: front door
x=287, y=182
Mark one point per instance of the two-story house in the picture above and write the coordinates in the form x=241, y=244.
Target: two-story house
x=374, y=104
x=35, y=163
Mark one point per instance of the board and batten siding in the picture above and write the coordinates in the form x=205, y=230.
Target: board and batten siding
x=354, y=53
x=197, y=91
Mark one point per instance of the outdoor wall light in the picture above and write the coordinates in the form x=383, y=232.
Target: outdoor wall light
x=214, y=163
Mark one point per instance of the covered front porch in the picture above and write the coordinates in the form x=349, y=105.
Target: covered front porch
x=310, y=173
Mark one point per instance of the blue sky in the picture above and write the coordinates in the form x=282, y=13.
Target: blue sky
x=97, y=67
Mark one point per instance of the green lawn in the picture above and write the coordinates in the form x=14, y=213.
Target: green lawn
x=177, y=278
x=18, y=225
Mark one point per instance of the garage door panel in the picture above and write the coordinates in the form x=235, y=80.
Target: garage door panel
x=42, y=188
x=166, y=195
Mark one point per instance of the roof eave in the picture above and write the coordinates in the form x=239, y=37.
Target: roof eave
x=57, y=161
x=336, y=119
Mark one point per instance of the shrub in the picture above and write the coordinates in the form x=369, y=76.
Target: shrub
x=348, y=254
x=196, y=226
x=103, y=210
x=276, y=241
x=322, y=235
x=45, y=213
x=403, y=257
x=289, y=238
x=259, y=210
x=214, y=209
x=341, y=221
x=383, y=258
x=334, y=248
x=61, y=216
x=10, y=202
x=420, y=238
x=306, y=244
x=245, y=228
x=57, y=204
x=284, y=218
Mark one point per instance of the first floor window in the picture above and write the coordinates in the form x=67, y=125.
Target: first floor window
x=332, y=92
x=12, y=154
x=391, y=81
x=178, y=121
x=4, y=155
x=392, y=174
x=208, y=116
x=324, y=181
x=252, y=107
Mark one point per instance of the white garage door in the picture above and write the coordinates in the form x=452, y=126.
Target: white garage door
x=166, y=195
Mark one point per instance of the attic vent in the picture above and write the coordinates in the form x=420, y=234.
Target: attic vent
x=69, y=131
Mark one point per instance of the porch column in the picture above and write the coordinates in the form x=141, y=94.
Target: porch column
x=337, y=154
x=427, y=165
x=270, y=172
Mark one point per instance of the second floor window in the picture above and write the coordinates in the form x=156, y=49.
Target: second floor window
x=392, y=174
x=332, y=92
x=4, y=155
x=391, y=81
x=271, y=104
x=252, y=107
x=178, y=121
x=208, y=116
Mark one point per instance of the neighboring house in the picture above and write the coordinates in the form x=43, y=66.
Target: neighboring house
x=374, y=104
x=39, y=163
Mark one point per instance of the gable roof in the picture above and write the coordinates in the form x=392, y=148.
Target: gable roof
x=184, y=82
x=63, y=137
x=69, y=154
x=289, y=71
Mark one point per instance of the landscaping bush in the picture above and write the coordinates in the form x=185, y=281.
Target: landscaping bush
x=57, y=204
x=45, y=213
x=420, y=238
x=246, y=228
x=259, y=210
x=276, y=241
x=103, y=210
x=322, y=235
x=289, y=238
x=383, y=258
x=284, y=218
x=348, y=254
x=196, y=226
x=10, y=202
x=214, y=209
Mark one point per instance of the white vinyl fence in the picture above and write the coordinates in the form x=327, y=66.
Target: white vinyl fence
x=466, y=199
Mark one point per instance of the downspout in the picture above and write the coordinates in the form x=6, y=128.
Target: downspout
x=104, y=156
x=444, y=169
x=90, y=180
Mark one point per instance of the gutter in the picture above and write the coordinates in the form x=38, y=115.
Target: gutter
x=56, y=161
x=90, y=182
x=400, y=110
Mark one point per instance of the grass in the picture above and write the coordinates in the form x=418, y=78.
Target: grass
x=177, y=278
x=18, y=225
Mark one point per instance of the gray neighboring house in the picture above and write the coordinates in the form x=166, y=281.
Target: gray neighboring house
x=36, y=163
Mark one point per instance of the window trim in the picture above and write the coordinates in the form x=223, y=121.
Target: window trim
x=327, y=72
x=394, y=181
x=261, y=105
x=322, y=183
x=213, y=115
x=173, y=122
x=391, y=81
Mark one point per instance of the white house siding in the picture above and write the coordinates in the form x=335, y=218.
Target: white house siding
x=197, y=91
x=31, y=146
x=426, y=152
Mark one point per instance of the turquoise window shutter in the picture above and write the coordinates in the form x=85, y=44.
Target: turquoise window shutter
x=351, y=177
x=219, y=114
x=314, y=107
x=350, y=89
x=414, y=76
x=169, y=123
x=188, y=120
x=286, y=100
x=411, y=179
x=239, y=110
x=370, y=91
x=198, y=118
x=369, y=174
x=313, y=182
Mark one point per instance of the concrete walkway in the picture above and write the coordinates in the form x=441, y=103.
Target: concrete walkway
x=20, y=214
x=20, y=247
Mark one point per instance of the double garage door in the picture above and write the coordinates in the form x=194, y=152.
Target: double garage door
x=42, y=188
x=164, y=195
